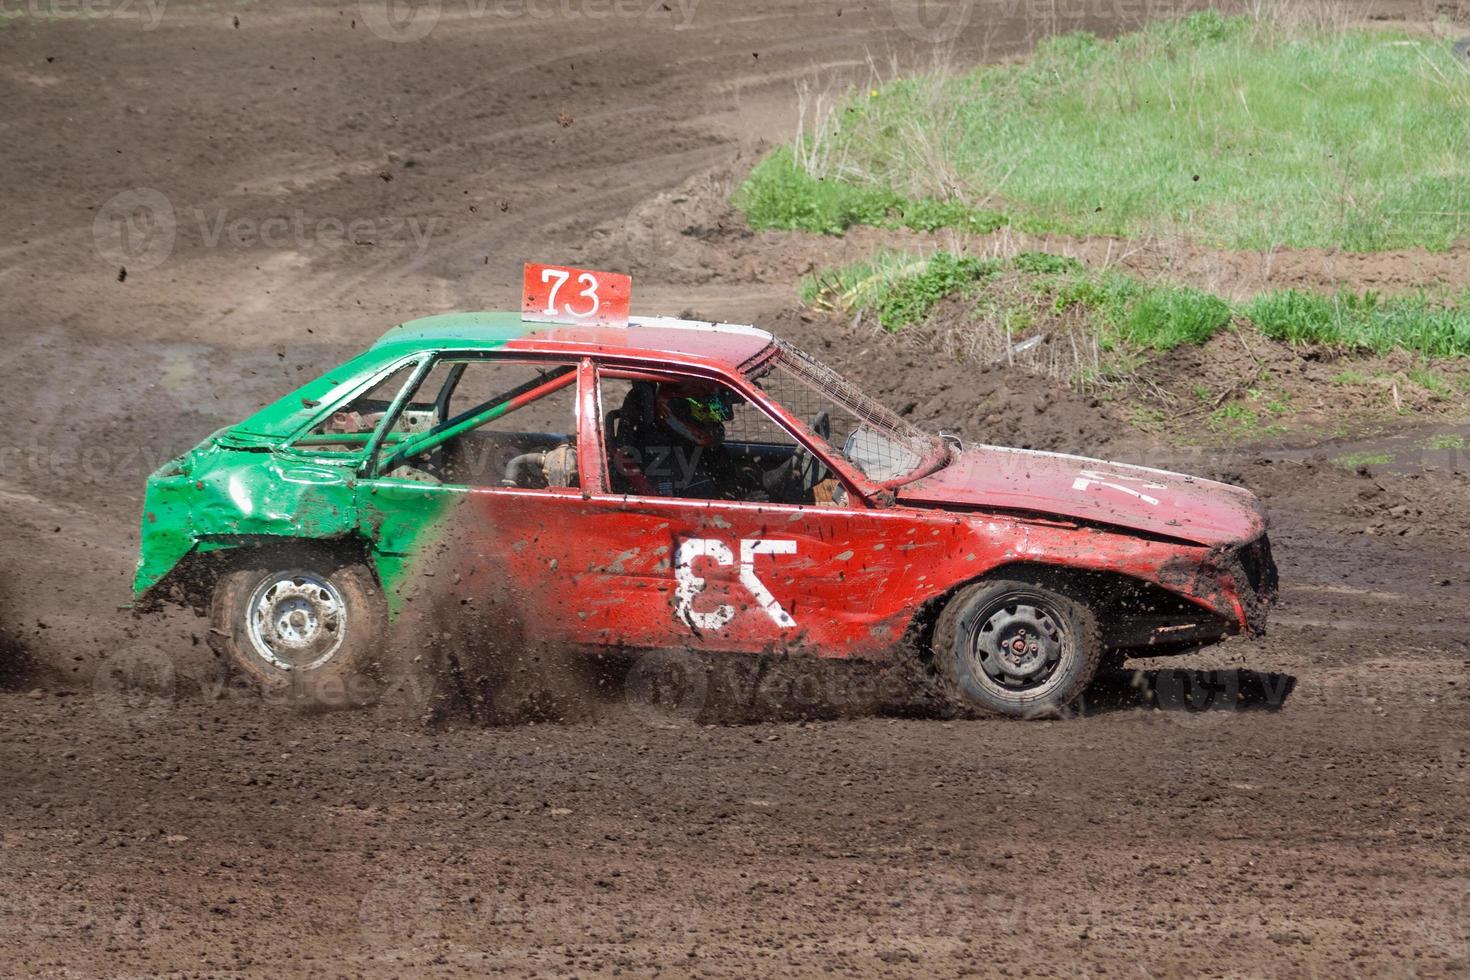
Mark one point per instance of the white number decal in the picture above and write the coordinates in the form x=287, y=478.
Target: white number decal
x=691, y=585
x=1086, y=478
x=561, y=276
x=749, y=548
x=590, y=292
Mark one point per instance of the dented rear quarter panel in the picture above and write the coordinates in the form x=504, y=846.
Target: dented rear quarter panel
x=240, y=482
x=218, y=496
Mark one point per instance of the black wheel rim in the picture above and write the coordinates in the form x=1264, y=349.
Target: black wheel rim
x=1017, y=642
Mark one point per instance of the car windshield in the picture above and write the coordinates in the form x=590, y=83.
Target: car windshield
x=861, y=430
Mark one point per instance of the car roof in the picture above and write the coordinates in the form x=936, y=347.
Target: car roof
x=724, y=345
x=732, y=344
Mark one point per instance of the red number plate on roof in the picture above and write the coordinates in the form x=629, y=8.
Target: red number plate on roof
x=561, y=294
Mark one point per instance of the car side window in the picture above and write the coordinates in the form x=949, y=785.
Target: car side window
x=870, y=447
x=674, y=436
x=349, y=428
x=488, y=422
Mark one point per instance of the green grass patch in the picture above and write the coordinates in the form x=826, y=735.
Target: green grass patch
x=1166, y=316
x=1363, y=321
x=1235, y=132
x=1430, y=382
x=1111, y=322
x=903, y=289
x=1445, y=440
x=1236, y=417
x=1353, y=460
x=1147, y=417
x=910, y=299
x=781, y=194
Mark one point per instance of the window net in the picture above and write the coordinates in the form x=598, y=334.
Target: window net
x=862, y=430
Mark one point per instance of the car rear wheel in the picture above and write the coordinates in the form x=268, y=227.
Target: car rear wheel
x=1016, y=648
x=301, y=623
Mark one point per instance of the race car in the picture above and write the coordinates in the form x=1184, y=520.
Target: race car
x=664, y=484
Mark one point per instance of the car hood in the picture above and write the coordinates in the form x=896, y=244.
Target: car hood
x=1135, y=497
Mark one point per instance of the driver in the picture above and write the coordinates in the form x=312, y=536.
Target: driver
x=683, y=453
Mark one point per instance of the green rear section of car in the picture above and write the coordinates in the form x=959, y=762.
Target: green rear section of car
x=246, y=485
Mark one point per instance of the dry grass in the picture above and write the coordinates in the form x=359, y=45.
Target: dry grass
x=1015, y=325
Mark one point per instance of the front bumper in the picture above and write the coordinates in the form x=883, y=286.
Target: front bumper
x=1252, y=570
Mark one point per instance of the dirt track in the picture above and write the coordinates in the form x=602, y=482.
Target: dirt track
x=1313, y=822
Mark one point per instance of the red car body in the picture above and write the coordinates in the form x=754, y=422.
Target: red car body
x=852, y=579
x=1167, y=561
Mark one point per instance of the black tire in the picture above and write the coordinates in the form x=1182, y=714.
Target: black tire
x=1060, y=647
x=334, y=615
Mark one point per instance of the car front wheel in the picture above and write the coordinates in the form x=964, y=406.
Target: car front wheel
x=300, y=623
x=1016, y=648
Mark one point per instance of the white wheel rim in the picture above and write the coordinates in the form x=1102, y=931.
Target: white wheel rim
x=297, y=621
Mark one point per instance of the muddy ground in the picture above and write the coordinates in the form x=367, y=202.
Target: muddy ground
x=1293, y=806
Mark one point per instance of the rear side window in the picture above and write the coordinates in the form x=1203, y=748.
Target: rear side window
x=488, y=422
x=348, y=428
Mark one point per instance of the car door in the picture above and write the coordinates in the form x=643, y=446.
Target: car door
x=461, y=515
x=751, y=575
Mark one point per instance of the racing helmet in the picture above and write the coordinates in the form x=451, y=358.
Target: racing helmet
x=695, y=411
